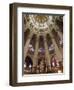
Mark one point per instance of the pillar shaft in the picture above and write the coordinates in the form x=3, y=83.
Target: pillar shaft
x=27, y=44
x=47, y=55
x=57, y=51
x=56, y=28
x=60, y=35
x=35, y=57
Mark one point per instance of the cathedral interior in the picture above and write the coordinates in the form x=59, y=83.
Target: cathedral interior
x=43, y=44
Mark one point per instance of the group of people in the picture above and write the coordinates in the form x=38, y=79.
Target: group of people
x=42, y=67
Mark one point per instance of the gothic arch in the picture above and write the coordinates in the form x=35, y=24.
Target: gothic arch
x=28, y=61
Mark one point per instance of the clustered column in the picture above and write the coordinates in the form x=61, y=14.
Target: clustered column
x=57, y=51
x=35, y=57
x=47, y=55
x=27, y=44
x=56, y=28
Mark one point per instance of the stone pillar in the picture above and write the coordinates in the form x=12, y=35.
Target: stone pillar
x=57, y=51
x=35, y=57
x=61, y=38
x=56, y=28
x=27, y=44
x=47, y=55
x=60, y=35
